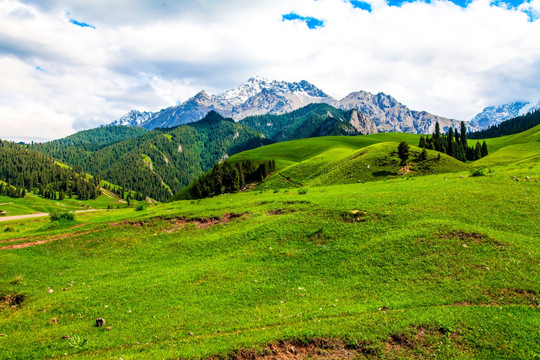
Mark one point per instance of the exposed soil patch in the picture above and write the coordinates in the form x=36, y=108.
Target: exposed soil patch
x=419, y=343
x=11, y=300
x=321, y=349
x=472, y=238
x=201, y=222
x=297, y=202
x=42, y=241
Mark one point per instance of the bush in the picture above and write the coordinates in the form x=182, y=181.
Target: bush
x=62, y=215
x=140, y=207
x=478, y=172
x=302, y=191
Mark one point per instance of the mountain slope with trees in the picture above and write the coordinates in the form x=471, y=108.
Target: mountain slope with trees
x=161, y=162
x=311, y=121
x=25, y=170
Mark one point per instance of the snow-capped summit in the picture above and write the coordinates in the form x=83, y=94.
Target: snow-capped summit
x=133, y=118
x=260, y=96
x=494, y=115
x=255, y=85
x=256, y=96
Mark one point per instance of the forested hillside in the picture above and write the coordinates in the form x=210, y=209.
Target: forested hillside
x=78, y=149
x=161, y=162
x=29, y=170
x=310, y=121
x=509, y=127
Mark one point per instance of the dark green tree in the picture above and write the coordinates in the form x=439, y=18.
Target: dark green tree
x=403, y=153
x=463, y=135
x=484, y=149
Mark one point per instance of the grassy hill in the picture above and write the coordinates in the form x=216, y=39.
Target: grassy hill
x=444, y=266
x=517, y=151
x=438, y=267
x=345, y=160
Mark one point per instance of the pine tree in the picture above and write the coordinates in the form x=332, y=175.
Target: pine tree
x=403, y=153
x=423, y=155
x=478, y=150
x=463, y=134
x=484, y=149
x=437, y=134
x=450, y=142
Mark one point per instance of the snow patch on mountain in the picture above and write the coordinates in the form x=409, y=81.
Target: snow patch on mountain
x=133, y=118
x=494, y=115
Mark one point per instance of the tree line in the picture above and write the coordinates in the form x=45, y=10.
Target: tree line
x=509, y=127
x=454, y=144
x=227, y=177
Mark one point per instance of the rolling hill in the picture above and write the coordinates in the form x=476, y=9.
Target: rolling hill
x=442, y=266
x=345, y=160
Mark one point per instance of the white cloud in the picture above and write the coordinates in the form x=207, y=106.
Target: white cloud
x=438, y=57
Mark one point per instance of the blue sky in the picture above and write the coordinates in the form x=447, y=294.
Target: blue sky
x=68, y=65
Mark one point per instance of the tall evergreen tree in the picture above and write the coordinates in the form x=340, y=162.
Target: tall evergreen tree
x=403, y=153
x=484, y=149
x=463, y=134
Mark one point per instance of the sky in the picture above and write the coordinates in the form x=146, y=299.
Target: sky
x=66, y=66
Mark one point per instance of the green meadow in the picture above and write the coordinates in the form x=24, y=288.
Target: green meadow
x=436, y=264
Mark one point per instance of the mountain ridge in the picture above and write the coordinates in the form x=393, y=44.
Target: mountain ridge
x=259, y=96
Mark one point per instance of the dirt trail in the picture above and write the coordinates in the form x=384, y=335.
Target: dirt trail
x=43, y=241
x=36, y=215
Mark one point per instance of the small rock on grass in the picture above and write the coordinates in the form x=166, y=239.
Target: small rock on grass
x=190, y=333
x=53, y=321
x=100, y=322
x=108, y=328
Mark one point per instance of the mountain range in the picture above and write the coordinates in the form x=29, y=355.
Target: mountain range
x=259, y=96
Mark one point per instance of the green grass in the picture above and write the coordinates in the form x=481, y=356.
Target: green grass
x=33, y=203
x=438, y=252
x=346, y=160
x=494, y=144
x=447, y=255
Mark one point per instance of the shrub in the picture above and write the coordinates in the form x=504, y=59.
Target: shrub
x=140, y=207
x=9, y=229
x=478, y=172
x=302, y=191
x=62, y=215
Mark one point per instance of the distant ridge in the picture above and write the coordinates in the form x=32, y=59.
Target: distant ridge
x=259, y=96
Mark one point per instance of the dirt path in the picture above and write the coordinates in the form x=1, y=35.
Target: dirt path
x=36, y=215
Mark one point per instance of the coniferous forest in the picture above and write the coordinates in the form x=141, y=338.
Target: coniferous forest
x=227, y=177
x=25, y=170
x=454, y=144
x=159, y=163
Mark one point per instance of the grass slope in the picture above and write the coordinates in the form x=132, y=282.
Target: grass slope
x=513, y=151
x=439, y=267
x=345, y=160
